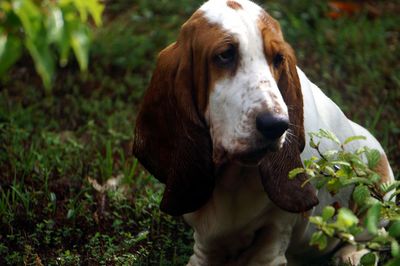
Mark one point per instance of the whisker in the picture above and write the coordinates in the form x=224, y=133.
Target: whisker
x=288, y=139
x=291, y=137
x=293, y=125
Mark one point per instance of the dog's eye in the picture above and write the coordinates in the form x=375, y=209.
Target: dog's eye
x=278, y=60
x=227, y=57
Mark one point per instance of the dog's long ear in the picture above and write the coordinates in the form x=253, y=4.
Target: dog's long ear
x=289, y=195
x=171, y=140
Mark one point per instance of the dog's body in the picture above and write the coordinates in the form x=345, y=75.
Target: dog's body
x=240, y=216
x=224, y=120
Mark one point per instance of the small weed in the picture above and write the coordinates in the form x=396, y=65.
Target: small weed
x=68, y=258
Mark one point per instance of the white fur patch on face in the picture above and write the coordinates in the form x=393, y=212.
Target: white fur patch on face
x=236, y=100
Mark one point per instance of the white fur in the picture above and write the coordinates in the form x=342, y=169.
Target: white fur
x=251, y=90
x=239, y=221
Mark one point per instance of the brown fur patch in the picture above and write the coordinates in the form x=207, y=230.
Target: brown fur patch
x=285, y=74
x=273, y=41
x=266, y=21
x=172, y=141
x=205, y=40
x=289, y=195
x=234, y=5
x=382, y=168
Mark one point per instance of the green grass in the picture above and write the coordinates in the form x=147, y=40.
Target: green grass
x=53, y=147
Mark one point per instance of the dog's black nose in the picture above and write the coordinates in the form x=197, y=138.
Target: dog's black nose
x=271, y=126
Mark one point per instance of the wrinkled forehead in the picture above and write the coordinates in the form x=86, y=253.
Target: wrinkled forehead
x=241, y=18
x=236, y=16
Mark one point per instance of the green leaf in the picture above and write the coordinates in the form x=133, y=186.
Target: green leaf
x=360, y=150
x=394, y=229
x=310, y=172
x=353, y=138
x=321, y=182
x=58, y=34
x=295, y=172
x=375, y=178
x=386, y=187
x=371, y=201
x=397, y=192
x=308, y=163
x=393, y=262
x=394, y=248
x=372, y=218
x=374, y=245
x=95, y=9
x=10, y=52
x=141, y=236
x=35, y=39
x=328, y=213
x=329, y=171
x=329, y=231
x=357, y=180
x=330, y=154
x=334, y=185
x=368, y=259
x=329, y=135
x=360, y=194
x=344, y=171
x=41, y=54
x=55, y=24
x=373, y=157
x=347, y=236
x=317, y=220
x=355, y=160
x=341, y=163
x=70, y=213
x=356, y=230
x=29, y=15
x=319, y=239
x=313, y=144
x=79, y=37
x=53, y=197
x=76, y=5
x=346, y=218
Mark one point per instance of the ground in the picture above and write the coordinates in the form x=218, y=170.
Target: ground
x=58, y=150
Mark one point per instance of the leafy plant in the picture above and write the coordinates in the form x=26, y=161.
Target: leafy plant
x=49, y=146
x=38, y=26
x=375, y=200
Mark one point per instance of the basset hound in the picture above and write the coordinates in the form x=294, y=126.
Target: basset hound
x=222, y=123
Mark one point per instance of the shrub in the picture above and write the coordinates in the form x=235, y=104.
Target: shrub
x=338, y=169
x=40, y=27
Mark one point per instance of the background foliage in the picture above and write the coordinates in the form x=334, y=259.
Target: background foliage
x=37, y=26
x=61, y=154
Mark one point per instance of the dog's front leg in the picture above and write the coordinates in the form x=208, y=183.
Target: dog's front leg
x=349, y=255
x=207, y=252
x=269, y=246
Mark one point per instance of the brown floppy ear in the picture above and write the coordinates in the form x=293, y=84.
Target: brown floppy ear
x=289, y=195
x=171, y=140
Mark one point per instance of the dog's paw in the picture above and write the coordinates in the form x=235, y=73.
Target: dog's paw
x=349, y=255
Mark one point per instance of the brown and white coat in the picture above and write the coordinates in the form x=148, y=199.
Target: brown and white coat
x=223, y=122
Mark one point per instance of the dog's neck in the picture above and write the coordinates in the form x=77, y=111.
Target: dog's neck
x=237, y=210
x=235, y=177
x=237, y=187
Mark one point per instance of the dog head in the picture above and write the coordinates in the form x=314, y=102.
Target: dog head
x=226, y=91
